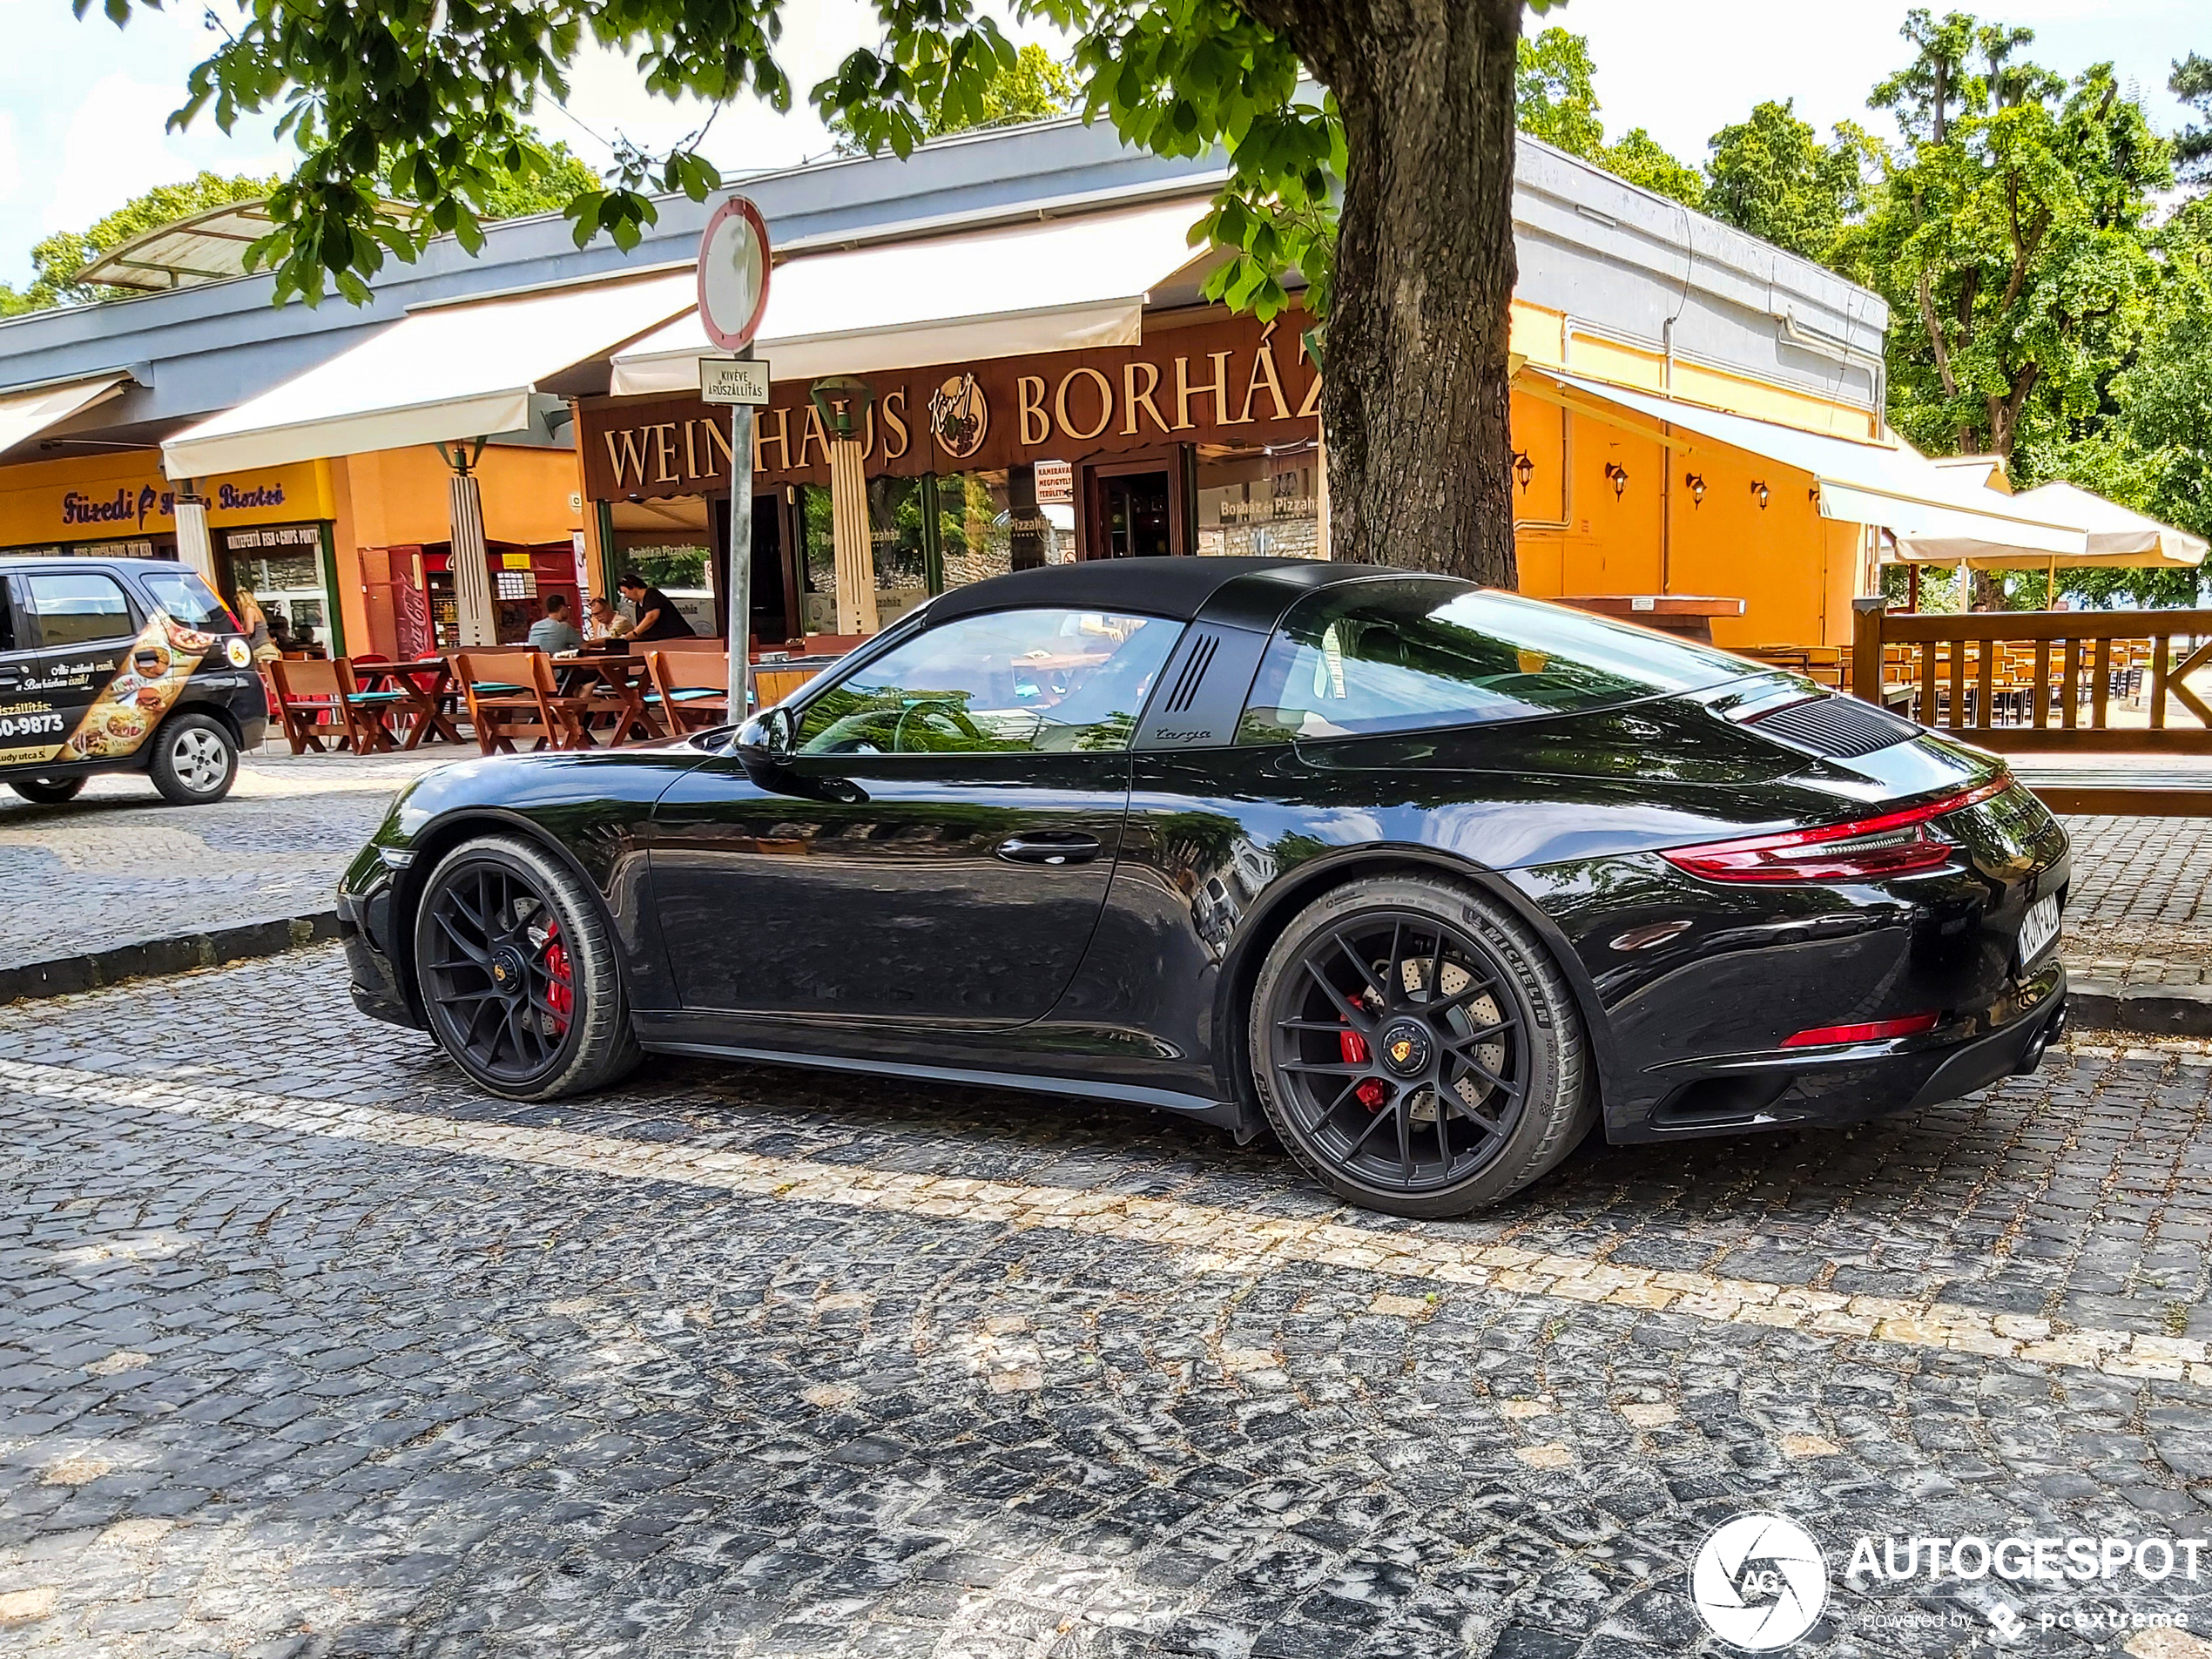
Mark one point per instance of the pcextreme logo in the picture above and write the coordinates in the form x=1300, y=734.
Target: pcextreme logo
x=1759, y=1582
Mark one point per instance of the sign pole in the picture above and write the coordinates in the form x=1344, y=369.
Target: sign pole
x=734, y=266
x=741, y=559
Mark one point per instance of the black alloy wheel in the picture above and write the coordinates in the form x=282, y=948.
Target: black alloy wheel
x=517, y=972
x=1416, y=1048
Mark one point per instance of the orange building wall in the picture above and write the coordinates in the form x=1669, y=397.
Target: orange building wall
x=399, y=495
x=1794, y=571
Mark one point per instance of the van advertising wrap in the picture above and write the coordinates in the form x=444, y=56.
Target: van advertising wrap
x=101, y=704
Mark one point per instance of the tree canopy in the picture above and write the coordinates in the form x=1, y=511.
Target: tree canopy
x=2191, y=82
x=2008, y=237
x=1034, y=87
x=1556, y=100
x=1770, y=174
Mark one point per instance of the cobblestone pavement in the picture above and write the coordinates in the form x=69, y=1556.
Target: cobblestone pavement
x=305, y=1347
x=2141, y=911
x=118, y=865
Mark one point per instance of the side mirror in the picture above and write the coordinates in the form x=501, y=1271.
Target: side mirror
x=770, y=737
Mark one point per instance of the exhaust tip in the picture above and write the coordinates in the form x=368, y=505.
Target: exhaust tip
x=2054, y=1028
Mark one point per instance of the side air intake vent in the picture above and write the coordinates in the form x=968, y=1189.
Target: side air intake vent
x=1196, y=704
x=1192, y=674
x=1842, y=728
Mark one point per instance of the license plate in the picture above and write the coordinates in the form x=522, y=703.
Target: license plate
x=2040, y=931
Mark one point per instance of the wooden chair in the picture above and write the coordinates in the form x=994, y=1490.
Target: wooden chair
x=511, y=696
x=691, y=690
x=695, y=642
x=318, y=699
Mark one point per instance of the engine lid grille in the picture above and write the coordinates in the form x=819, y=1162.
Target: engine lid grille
x=1841, y=727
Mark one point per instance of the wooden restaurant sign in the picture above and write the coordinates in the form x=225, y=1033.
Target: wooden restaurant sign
x=1227, y=379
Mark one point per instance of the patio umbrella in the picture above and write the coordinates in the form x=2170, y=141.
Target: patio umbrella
x=2116, y=536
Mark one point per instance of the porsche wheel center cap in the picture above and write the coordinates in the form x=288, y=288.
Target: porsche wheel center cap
x=507, y=971
x=1406, y=1047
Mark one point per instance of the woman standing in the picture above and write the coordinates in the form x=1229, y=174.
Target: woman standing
x=255, y=622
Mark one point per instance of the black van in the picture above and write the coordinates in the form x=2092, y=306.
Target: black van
x=121, y=665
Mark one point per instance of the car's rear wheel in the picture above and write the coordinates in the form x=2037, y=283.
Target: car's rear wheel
x=47, y=792
x=518, y=973
x=1415, y=1047
x=194, y=761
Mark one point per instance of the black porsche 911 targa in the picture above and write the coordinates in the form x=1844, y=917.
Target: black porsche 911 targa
x=1430, y=878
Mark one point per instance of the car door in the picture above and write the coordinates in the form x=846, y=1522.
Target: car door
x=934, y=851
x=86, y=626
x=31, y=728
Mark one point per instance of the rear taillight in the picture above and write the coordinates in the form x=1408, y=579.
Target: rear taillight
x=1821, y=1036
x=1892, y=843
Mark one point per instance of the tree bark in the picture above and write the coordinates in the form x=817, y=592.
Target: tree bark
x=1414, y=397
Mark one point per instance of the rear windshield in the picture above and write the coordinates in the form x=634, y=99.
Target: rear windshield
x=1397, y=654
x=188, y=601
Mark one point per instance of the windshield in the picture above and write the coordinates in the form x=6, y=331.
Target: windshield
x=1399, y=654
x=189, y=601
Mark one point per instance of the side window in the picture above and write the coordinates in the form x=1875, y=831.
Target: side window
x=78, y=607
x=1396, y=656
x=188, y=601
x=1011, y=682
x=8, y=639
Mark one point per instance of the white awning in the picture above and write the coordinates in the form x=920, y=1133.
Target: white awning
x=2117, y=535
x=465, y=370
x=1891, y=485
x=26, y=414
x=1058, y=285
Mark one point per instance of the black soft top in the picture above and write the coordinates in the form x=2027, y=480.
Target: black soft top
x=1257, y=589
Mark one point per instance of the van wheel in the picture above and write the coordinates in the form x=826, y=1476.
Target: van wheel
x=1416, y=1048
x=194, y=761
x=47, y=792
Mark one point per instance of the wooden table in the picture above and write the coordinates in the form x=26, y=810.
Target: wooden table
x=1690, y=615
x=618, y=681
x=427, y=712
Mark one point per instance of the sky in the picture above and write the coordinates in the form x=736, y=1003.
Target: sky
x=82, y=104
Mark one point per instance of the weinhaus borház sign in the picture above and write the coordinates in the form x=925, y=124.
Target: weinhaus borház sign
x=1223, y=380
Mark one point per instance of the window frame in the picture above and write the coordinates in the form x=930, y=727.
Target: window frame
x=912, y=627
x=134, y=618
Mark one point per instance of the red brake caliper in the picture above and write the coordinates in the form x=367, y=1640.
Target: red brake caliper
x=558, y=996
x=1353, y=1046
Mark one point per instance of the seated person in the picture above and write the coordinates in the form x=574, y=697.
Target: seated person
x=553, y=633
x=604, y=622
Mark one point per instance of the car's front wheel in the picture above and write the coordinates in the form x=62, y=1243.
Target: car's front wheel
x=518, y=975
x=47, y=792
x=1415, y=1047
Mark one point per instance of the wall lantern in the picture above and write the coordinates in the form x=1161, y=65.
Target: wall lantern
x=1523, y=468
x=1619, y=474
x=1759, y=488
x=842, y=403
x=1697, y=484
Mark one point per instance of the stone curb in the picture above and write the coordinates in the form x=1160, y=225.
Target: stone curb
x=66, y=975
x=2153, y=1010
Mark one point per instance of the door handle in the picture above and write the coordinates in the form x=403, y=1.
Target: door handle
x=1050, y=847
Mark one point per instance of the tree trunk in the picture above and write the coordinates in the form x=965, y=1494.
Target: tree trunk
x=1414, y=397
